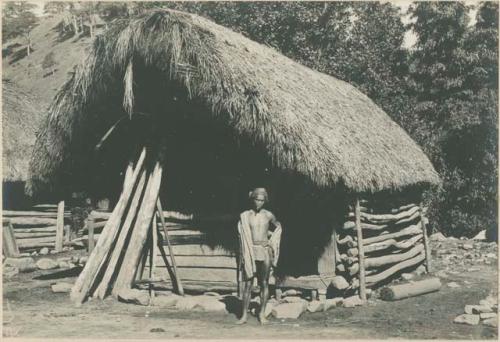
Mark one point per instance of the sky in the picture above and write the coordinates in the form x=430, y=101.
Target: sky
x=410, y=37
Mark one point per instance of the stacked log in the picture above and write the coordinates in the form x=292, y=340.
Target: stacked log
x=35, y=228
x=377, y=244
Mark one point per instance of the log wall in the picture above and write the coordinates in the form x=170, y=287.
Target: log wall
x=393, y=241
x=36, y=228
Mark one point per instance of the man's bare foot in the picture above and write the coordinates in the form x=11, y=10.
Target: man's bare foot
x=242, y=320
x=263, y=320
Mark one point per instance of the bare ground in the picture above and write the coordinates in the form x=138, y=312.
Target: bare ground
x=30, y=309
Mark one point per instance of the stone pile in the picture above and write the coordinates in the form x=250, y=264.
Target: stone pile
x=485, y=313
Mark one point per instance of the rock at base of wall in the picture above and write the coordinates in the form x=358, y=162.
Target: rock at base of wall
x=46, y=264
x=467, y=319
x=61, y=287
x=134, y=296
x=289, y=310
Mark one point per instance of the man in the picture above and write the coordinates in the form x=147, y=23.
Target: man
x=259, y=250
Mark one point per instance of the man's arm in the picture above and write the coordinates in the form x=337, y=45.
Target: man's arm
x=274, y=221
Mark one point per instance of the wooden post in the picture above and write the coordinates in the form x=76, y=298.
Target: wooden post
x=362, y=284
x=152, y=257
x=170, y=249
x=327, y=262
x=67, y=233
x=60, y=227
x=10, y=248
x=426, y=240
x=90, y=226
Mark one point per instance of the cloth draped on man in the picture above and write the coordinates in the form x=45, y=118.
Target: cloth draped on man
x=247, y=254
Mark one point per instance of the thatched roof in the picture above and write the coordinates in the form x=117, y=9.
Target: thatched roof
x=20, y=120
x=309, y=122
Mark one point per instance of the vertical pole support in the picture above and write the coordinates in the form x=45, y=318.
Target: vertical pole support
x=59, y=227
x=426, y=240
x=361, y=253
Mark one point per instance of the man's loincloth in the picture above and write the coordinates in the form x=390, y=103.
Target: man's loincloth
x=262, y=252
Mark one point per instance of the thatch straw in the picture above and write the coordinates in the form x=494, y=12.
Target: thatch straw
x=310, y=122
x=20, y=120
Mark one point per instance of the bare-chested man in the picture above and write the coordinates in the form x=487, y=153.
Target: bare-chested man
x=259, y=248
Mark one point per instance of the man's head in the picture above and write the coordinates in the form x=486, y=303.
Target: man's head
x=258, y=197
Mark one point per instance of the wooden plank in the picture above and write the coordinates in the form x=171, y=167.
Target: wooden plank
x=201, y=261
x=426, y=240
x=200, y=250
x=326, y=262
x=198, y=273
x=170, y=250
x=41, y=214
x=59, y=227
x=10, y=248
x=312, y=282
x=33, y=221
x=36, y=242
x=359, y=231
x=376, y=278
x=90, y=225
x=23, y=235
x=411, y=230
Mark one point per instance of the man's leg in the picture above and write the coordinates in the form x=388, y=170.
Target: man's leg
x=247, y=292
x=263, y=271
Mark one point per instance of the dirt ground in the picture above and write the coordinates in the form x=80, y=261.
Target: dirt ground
x=32, y=310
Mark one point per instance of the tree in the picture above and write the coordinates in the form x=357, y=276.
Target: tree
x=54, y=7
x=18, y=20
x=453, y=76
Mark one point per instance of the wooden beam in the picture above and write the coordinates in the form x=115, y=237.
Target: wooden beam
x=326, y=262
x=178, y=282
x=396, y=292
x=90, y=225
x=361, y=252
x=426, y=240
x=60, y=227
x=10, y=248
x=373, y=279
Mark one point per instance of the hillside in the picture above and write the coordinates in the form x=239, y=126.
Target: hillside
x=27, y=72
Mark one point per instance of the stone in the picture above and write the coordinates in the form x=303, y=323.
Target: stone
x=35, y=253
x=477, y=309
x=487, y=315
x=21, y=255
x=23, y=264
x=407, y=276
x=61, y=287
x=66, y=249
x=271, y=303
x=46, y=264
x=291, y=292
x=83, y=260
x=485, y=302
x=211, y=293
x=166, y=301
x=75, y=259
x=289, y=310
x=420, y=270
x=134, y=296
x=64, y=264
x=480, y=236
x=53, y=251
x=333, y=302
x=339, y=283
x=437, y=237
x=351, y=302
x=315, y=306
x=453, y=285
x=292, y=300
x=203, y=303
x=467, y=246
x=491, y=322
x=10, y=271
x=467, y=319
x=44, y=251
